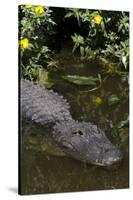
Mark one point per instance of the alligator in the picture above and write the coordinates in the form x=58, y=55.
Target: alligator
x=83, y=141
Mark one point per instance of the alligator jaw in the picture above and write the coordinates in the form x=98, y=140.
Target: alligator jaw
x=104, y=163
x=110, y=161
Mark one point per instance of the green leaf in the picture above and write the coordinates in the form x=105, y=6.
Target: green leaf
x=69, y=14
x=78, y=39
x=113, y=99
x=124, y=61
x=44, y=79
x=81, y=80
x=82, y=51
x=124, y=122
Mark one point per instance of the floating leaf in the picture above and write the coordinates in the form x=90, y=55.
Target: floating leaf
x=44, y=79
x=81, y=80
x=113, y=99
x=80, y=65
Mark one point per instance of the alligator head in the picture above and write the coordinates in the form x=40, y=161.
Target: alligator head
x=86, y=142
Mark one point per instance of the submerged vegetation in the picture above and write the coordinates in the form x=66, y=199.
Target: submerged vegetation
x=92, y=36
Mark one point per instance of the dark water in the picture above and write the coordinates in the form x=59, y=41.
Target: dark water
x=44, y=168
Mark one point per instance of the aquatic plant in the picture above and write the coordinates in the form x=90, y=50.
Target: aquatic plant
x=106, y=35
x=35, y=55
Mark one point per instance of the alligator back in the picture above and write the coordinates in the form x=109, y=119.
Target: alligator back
x=42, y=106
x=80, y=140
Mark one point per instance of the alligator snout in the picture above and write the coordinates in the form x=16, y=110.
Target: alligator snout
x=113, y=156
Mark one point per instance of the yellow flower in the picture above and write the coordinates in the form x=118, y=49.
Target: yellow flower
x=39, y=10
x=28, y=6
x=98, y=19
x=24, y=43
x=98, y=101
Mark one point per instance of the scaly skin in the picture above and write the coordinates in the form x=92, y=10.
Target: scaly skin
x=83, y=141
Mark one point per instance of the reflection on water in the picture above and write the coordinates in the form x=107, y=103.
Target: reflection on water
x=43, y=171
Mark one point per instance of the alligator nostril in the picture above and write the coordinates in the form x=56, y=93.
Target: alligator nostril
x=80, y=132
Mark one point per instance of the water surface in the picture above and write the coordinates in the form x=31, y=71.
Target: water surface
x=44, y=168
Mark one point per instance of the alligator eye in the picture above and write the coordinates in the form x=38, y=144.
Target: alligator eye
x=78, y=132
